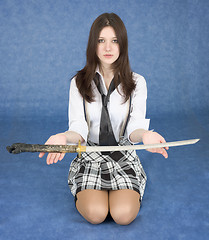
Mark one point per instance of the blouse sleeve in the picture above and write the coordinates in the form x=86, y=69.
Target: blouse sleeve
x=76, y=116
x=138, y=106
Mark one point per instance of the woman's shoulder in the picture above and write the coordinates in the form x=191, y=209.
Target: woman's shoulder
x=139, y=79
x=73, y=81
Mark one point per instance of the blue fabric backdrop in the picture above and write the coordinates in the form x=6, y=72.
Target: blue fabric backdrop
x=42, y=45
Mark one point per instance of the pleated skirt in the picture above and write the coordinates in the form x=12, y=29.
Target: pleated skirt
x=113, y=171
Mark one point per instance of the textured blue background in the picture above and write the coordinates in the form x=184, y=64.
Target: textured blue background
x=42, y=45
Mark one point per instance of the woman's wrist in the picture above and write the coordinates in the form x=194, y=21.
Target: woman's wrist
x=137, y=135
x=147, y=132
x=73, y=137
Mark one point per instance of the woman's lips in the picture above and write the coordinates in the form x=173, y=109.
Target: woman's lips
x=108, y=55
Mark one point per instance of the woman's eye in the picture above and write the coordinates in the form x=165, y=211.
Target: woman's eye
x=100, y=40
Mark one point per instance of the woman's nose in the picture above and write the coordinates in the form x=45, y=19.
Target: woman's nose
x=108, y=46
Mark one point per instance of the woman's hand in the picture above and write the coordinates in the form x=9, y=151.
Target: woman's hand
x=58, y=139
x=150, y=137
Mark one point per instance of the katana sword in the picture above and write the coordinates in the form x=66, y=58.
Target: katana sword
x=23, y=147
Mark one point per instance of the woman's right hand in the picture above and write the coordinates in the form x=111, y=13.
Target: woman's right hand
x=58, y=139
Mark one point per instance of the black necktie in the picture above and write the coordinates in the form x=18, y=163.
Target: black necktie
x=106, y=135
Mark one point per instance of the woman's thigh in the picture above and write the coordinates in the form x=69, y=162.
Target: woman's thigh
x=93, y=205
x=124, y=205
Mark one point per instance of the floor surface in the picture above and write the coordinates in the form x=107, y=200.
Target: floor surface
x=36, y=202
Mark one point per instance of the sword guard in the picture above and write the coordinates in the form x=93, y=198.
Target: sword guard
x=80, y=149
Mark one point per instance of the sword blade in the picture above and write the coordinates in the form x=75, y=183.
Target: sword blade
x=139, y=147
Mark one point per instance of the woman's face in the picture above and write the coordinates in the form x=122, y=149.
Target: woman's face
x=107, y=48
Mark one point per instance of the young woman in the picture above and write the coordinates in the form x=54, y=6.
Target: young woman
x=107, y=106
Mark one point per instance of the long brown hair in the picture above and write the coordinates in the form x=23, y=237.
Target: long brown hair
x=121, y=67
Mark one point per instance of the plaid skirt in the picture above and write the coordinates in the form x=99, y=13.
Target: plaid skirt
x=115, y=171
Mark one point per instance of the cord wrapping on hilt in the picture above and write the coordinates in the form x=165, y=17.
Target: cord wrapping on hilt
x=23, y=147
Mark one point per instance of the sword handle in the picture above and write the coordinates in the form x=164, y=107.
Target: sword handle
x=23, y=147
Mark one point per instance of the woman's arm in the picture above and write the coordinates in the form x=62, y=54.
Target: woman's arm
x=138, y=124
x=78, y=129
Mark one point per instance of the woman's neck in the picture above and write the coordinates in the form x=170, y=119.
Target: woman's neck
x=108, y=74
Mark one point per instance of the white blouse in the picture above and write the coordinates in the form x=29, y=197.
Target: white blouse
x=116, y=107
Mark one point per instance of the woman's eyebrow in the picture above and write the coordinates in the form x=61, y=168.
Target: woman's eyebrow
x=105, y=37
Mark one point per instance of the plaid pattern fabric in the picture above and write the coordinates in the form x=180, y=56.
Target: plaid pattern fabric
x=115, y=171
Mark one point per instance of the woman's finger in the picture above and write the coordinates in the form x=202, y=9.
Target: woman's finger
x=163, y=152
x=61, y=156
x=54, y=157
x=159, y=150
x=41, y=154
x=50, y=158
x=152, y=150
x=57, y=156
x=164, y=141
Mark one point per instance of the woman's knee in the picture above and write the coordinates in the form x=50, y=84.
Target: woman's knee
x=124, y=205
x=93, y=205
x=96, y=214
x=124, y=215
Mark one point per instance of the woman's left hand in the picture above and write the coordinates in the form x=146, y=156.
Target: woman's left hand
x=150, y=137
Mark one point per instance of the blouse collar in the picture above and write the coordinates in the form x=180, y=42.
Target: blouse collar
x=102, y=82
